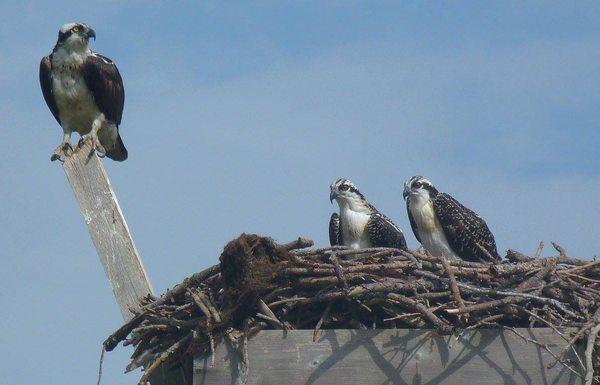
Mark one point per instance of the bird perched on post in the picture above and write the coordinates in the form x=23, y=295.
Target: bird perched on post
x=444, y=226
x=84, y=92
x=359, y=224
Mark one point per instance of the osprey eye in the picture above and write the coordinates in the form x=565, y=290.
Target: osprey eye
x=75, y=29
x=344, y=187
x=417, y=185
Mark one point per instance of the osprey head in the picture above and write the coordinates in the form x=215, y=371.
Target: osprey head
x=346, y=194
x=75, y=36
x=418, y=185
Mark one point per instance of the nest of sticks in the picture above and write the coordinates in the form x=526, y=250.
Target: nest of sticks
x=260, y=284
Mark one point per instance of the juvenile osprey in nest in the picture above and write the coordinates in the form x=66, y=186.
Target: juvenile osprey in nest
x=444, y=226
x=359, y=224
x=84, y=91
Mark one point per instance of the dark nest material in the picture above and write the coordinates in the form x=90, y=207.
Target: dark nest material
x=260, y=284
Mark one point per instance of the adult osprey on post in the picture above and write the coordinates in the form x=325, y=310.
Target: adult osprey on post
x=444, y=226
x=359, y=224
x=84, y=92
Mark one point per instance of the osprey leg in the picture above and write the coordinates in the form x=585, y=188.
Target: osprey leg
x=93, y=135
x=64, y=148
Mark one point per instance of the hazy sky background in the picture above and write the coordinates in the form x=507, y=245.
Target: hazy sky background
x=239, y=115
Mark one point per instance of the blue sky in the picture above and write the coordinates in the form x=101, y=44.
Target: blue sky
x=237, y=117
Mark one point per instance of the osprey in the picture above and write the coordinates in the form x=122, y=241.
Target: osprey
x=84, y=92
x=444, y=226
x=359, y=224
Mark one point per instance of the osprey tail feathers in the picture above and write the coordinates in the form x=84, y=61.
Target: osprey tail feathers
x=118, y=152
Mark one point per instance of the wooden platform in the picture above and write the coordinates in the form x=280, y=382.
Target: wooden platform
x=405, y=356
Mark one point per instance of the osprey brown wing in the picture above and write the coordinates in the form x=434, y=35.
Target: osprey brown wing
x=384, y=233
x=46, y=84
x=467, y=233
x=104, y=82
x=335, y=232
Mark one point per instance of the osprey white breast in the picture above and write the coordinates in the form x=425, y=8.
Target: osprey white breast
x=74, y=100
x=353, y=228
x=430, y=231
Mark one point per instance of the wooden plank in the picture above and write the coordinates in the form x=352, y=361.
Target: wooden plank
x=113, y=242
x=107, y=227
x=399, y=356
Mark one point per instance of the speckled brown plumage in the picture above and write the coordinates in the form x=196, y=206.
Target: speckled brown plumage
x=384, y=233
x=467, y=233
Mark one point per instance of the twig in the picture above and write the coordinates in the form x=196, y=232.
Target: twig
x=100, y=366
x=321, y=321
x=545, y=347
x=589, y=351
x=339, y=272
x=201, y=305
x=164, y=357
x=487, y=305
x=319, y=252
x=272, y=320
x=538, y=251
x=268, y=312
x=442, y=326
x=569, y=345
x=400, y=316
x=453, y=286
x=580, y=268
x=551, y=326
x=287, y=300
x=485, y=321
x=300, y=243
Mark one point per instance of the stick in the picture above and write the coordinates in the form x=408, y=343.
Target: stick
x=537, y=317
x=485, y=321
x=579, y=268
x=164, y=357
x=538, y=251
x=453, y=286
x=339, y=272
x=487, y=305
x=321, y=321
x=300, y=243
x=268, y=312
x=442, y=326
x=577, y=336
x=543, y=346
x=589, y=350
x=100, y=366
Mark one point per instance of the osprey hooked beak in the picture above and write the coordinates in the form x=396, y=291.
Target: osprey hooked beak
x=405, y=192
x=332, y=195
x=90, y=33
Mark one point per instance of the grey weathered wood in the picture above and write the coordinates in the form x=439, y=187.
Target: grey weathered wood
x=401, y=356
x=112, y=240
x=107, y=227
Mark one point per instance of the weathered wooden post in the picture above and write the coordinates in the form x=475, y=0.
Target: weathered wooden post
x=111, y=237
x=107, y=227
